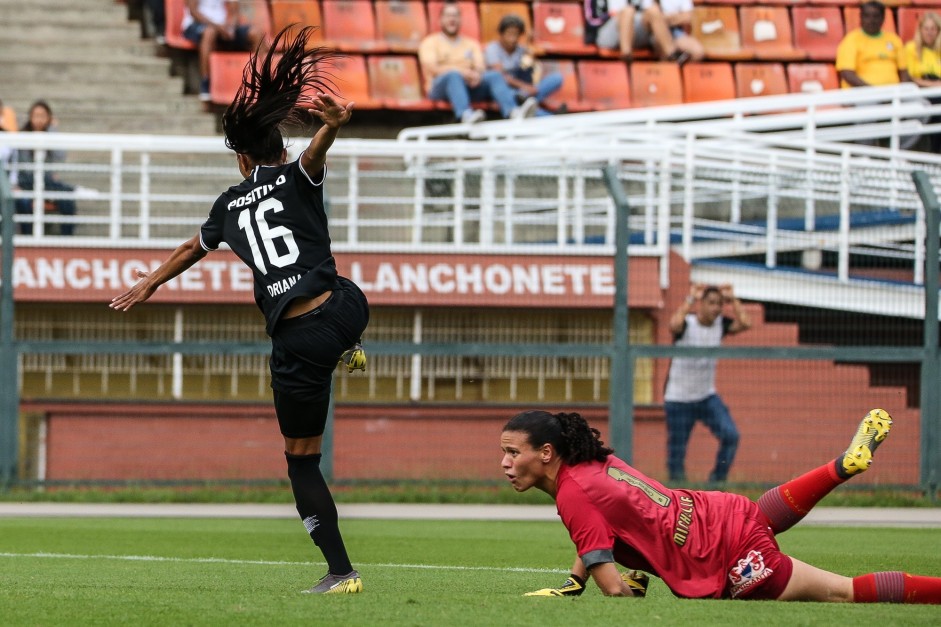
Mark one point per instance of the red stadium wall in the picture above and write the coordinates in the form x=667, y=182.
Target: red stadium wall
x=185, y=442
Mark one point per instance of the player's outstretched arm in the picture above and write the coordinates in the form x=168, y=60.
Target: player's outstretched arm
x=333, y=116
x=613, y=584
x=186, y=254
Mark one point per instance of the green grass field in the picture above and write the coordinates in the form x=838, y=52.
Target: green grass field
x=102, y=571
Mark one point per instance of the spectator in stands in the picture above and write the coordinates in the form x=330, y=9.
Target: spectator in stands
x=690, y=394
x=7, y=118
x=518, y=65
x=158, y=19
x=454, y=70
x=215, y=25
x=923, y=62
x=662, y=25
x=314, y=316
x=869, y=55
x=40, y=120
x=7, y=123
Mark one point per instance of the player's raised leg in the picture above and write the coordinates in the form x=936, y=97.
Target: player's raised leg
x=788, y=503
x=809, y=583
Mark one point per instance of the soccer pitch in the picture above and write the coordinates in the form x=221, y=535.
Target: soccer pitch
x=153, y=571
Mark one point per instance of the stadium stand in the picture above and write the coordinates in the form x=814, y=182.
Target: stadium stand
x=604, y=84
x=569, y=94
x=811, y=77
x=225, y=71
x=759, y=79
x=174, y=34
x=718, y=30
x=350, y=26
x=559, y=28
x=395, y=81
x=777, y=36
x=703, y=82
x=350, y=76
x=817, y=31
x=655, y=83
x=766, y=32
x=401, y=24
x=300, y=12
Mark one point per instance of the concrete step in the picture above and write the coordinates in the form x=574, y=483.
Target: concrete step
x=138, y=52
x=82, y=74
x=103, y=94
x=60, y=13
x=106, y=122
x=20, y=33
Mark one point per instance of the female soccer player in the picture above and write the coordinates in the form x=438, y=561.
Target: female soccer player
x=275, y=222
x=702, y=544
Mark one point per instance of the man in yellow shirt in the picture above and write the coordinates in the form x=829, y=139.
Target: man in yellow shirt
x=454, y=70
x=870, y=55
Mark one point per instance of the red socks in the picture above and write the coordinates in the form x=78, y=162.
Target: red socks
x=787, y=504
x=896, y=587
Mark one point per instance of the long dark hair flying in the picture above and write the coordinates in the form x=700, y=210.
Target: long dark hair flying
x=273, y=94
x=569, y=434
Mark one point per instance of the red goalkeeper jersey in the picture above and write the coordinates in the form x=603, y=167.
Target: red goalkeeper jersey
x=690, y=539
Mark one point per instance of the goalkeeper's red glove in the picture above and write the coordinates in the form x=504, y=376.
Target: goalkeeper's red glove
x=572, y=587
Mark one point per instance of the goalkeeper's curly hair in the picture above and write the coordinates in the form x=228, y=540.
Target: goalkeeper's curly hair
x=274, y=93
x=569, y=434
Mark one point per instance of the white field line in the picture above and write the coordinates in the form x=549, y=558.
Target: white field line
x=220, y=560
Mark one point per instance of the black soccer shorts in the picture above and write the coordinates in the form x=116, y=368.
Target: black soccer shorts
x=304, y=353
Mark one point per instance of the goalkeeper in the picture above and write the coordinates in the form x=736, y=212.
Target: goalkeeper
x=702, y=544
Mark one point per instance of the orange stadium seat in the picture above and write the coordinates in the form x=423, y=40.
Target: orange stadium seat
x=225, y=75
x=395, y=81
x=851, y=19
x=559, y=28
x=350, y=26
x=655, y=83
x=818, y=31
x=766, y=31
x=908, y=18
x=491, y=12
x=569, y=94
x=401, y=24
x=760, y=79
x=703, y=82
x=810, y=78
x=174, y=23
x=299, y=12
x=349, y=75
x=604, y=84
x=470, y=20
x=716, y=27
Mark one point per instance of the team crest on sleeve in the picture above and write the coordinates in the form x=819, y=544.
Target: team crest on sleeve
x=749, y=572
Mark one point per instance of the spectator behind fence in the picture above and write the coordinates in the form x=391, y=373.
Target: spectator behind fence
x=7, y=123
x=214, y=25
x=690, y=394
x=869, y=55
x=41, y=120
x=519, y=66
x=923, y=62
x=626, y=25
x=454, y=70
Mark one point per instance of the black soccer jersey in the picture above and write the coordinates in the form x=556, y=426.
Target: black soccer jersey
x=275, y=222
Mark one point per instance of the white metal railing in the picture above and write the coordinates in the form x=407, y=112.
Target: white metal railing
x=714, y=177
